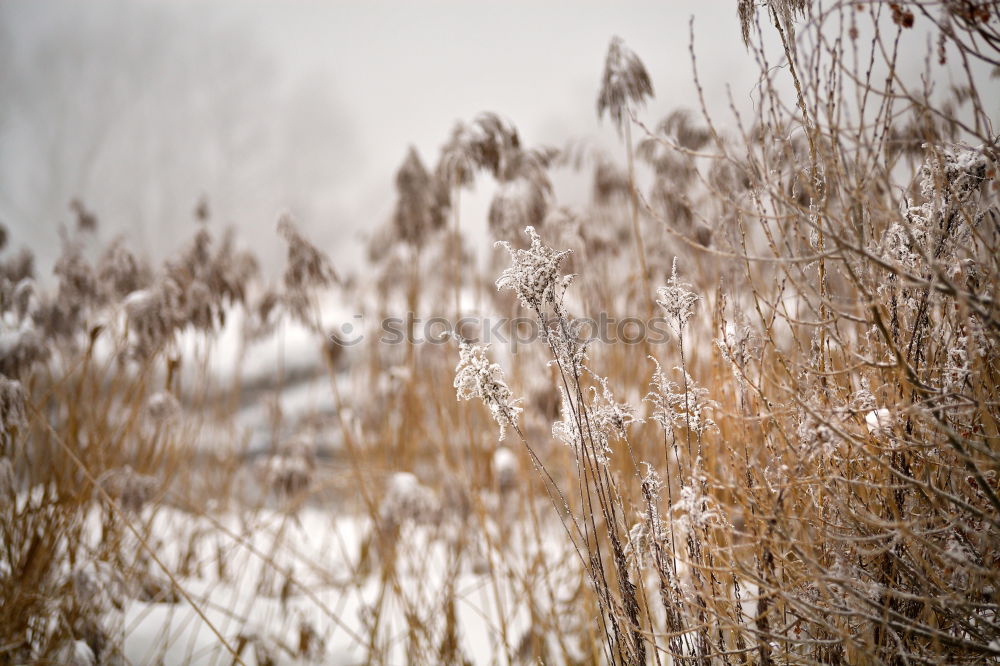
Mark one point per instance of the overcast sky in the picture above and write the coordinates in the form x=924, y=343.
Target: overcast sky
x=139, y=108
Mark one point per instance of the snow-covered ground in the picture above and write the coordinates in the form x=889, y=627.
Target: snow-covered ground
x=307, y=587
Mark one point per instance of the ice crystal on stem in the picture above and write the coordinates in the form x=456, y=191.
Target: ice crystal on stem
x=477, y=377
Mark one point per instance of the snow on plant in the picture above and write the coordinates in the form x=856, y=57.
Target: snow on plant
x=406, y=499
x=738, y=345
x=607, y=415
x=639, y=544
x=567, y=429
x=604, y=418
x=151, y=316
x=102, y=588
x=695, y=509
x=534, y=274
x=687, y=405
x=21, y=347
x=939, y=229
x=879, y=421
x=816, y=437
x=652, y=488
x=662, y=396
x=478, y=377
x=678, y=300
x=957, y=371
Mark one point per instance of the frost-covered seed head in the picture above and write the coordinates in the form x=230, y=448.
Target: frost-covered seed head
x=738, y=346
x=638, y=545
x=605, y=419
x=534, y=273
x=697, y=509
x=940, y=227
x=816, y=438
x=477, y=377
x=960, y=170
x=678, y=300
x=957, y=370
x=673, y=407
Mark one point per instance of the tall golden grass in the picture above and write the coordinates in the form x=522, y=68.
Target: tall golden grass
x=806, y=471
